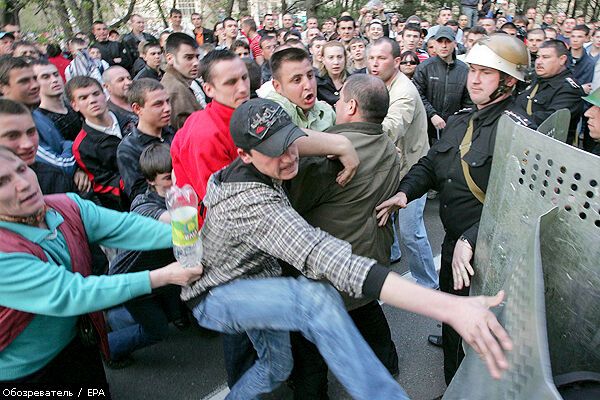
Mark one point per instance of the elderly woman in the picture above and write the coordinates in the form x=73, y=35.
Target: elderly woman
x=48, y=301
x=333, y=73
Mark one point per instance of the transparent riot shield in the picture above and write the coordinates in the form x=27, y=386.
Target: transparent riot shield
x=539, y=240
x=557, y=125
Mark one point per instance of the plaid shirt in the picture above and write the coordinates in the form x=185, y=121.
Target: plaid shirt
x=250, y=224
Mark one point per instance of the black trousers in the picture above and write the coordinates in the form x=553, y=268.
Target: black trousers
x=76, y=364
x=309, y=376
x=453, y=352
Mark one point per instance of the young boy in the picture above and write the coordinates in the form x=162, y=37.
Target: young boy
x=151, y=313
x=250, y=225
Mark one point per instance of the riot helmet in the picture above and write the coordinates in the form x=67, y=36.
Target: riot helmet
x=501, y=52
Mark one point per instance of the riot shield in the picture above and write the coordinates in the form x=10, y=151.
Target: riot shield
x=539, y=240
x=557, y=125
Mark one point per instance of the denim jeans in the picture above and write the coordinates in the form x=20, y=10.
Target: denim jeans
x=414, y=237
x=471, y=13
x=267, y=309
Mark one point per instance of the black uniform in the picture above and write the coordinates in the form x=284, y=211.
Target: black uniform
x=552, y=94
x=131, y=43
x=112, y=50
x=460, y=210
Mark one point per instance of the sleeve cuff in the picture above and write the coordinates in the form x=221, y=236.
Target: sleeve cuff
x=374, y=281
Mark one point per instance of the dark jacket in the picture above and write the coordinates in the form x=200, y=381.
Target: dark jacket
x=111, y=50
x=96, y=155
x=131, y=43
x=441, y=169
x=555, y=93
x=326, y=90
x=148, y=72
x=127, y=119
x=442, y=86
x=209, y=35
x=583, y=68
x=53, y=179
x=128, y=158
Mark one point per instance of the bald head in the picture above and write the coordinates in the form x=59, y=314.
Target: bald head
x=117, y=82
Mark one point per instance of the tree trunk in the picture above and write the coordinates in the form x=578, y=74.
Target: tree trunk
x=243, y=6
x=98, y=14
x=311, y=9
x=9, y=11
x=126, y=17
x=229, y=7
x=63, y=17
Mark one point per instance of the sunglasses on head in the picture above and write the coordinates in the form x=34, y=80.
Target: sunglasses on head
x=408, y=63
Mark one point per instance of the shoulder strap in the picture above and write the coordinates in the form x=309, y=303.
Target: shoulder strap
x=464, y=148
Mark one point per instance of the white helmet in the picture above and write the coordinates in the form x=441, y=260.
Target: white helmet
x=502, y=52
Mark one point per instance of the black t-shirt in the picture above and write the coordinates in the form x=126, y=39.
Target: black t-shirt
x=69, y=124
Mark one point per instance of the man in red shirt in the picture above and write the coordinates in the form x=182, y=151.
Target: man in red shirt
x=249, y=30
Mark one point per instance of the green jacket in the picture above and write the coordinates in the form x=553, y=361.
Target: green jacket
x=319, y=118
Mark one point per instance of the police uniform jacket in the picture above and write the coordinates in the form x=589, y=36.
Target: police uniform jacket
x=441, y=169
x=552, y=94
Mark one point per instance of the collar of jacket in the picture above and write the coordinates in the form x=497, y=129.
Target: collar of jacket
x=556, y=80
x=490, y=114
x=239, y=171
x=220, y=114
x=450, y=64
x=144, y=139
x=367, y=128
x=177, y=75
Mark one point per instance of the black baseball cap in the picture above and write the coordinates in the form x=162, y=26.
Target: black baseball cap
x=264, y=126
x=445, y=32
x=7, y=34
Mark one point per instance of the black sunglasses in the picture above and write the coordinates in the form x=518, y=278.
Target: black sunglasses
x=408, y=63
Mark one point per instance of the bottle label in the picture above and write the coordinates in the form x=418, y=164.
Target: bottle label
x=184, y=225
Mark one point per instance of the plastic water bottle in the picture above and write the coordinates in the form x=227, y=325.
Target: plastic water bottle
x=182, y=204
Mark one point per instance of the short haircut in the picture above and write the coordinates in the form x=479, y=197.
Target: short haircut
x=536, y=31
x=76, y=40
x=155, y=159
x=266, y=38
x=291, y=54
x=292, y=41
x=267, y=15
x=145, y=46
x=394, y=45
x=96, y=23
x=135, y=15
x=451, y=22
x=478, y=30
x=316, y=39
x=228, y=19
x=345, y=18
x=93, y=46
x=239, y=43
x=293, y=34
x=521, y=18
x=195, y=13
x=357, y=40
x=445, y=8
x=40, y=61
x=582, y=28
x=80, y=82
x=558, y=45
x=211, y=59
x=175, y=11
x=139, y=88
x=53, y=50
x=253, y=74
x=178, y=39
x=11, y=107
x=250, y=24
x=8, y=63
x=550, y=29
x=411, y=28
x=113, y=31
x=508, y=25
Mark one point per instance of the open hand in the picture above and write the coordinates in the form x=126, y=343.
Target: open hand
x=390, y=206
x=461, y=264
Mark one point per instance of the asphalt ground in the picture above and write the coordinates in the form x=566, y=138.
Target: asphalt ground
x=189, y=364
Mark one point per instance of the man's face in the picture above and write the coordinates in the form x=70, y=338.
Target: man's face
x=533, y=42
x=185, y=61
x=463, y=21
x=288, y=21
x=548, y=19
x=20, y=194
x=500, y=21
x=100, y=32
x=316, y=48
x=51, y=84
x=231, y=29
x=22, y=87
x=568, y=25
x=14, y=29
x=488, y=25
x=18, y=133
x=95, y=53
x=425, y=25
x=510, y=31
x=26, y=51
x=268, y=46
x=176, y=20
x=431, y=48
x=375, y=31
x=312, y=23
x=76, y=48
x=381, y=63
x=153, y=57
x=531, y=13
x=550, y=34
x=596, y=39
x=6, y=45
x=481, y=83
x=580, y=21
x=410, y=40
x=229, y=83
x=444, y=47
x=269, y=22
x=242, y=52
x=197, y=21
x=472, y=38
x=346, y=30
x=118, y=82
x=357, y=51
x=577, y=39
x=311, y=33
x=156, y=111
x=284, y=167
x=548, y=64
x=296, y=81
x=162, y=183
x=560, y=17
x=328, y=26
x=137, y=24
x=593, y=115
x=444, y=16
x=89, y=101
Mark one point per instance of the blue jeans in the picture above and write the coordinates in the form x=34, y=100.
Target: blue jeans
x=471, y=13
x=414, y=237
x=267, y=309
x=395, y=253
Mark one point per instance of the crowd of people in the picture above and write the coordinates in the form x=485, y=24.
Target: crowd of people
x=297, y=244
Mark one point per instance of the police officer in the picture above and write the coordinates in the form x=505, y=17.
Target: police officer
x=553, y=88
x=459, y=164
